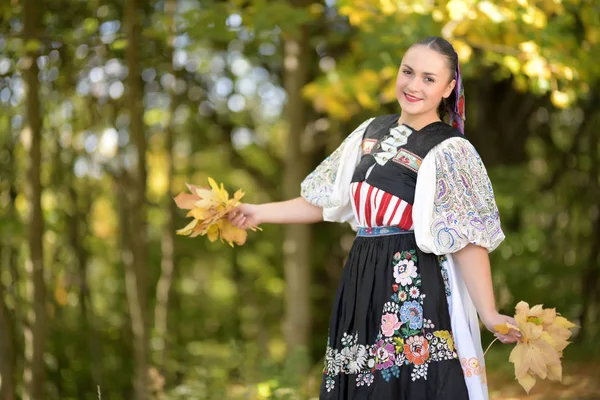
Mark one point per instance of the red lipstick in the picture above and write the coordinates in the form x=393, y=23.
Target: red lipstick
x=410, y=98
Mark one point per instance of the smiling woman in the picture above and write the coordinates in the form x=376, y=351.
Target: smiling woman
x=404, y=320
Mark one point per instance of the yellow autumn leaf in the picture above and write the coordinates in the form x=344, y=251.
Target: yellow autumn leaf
x=544, y=335
x=209, y=208
x=188, y=228
x=232, y=234
x=527, y=381
x=555, y=372
x=220, y=192
x=213, y=233
x=564, y=323
x=207, y=199
x=503, y=329
x=198, y=213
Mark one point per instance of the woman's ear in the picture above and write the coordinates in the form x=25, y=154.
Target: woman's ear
x=449, y=88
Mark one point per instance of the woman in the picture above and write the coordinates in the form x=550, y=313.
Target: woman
x=404, y=322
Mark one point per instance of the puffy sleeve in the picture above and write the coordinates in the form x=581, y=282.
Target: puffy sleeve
x=328, y=186
x=454, y=201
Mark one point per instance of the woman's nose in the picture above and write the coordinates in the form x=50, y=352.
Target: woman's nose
x=413, y=85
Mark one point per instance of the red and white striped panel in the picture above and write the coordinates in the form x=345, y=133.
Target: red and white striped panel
x=375, y=207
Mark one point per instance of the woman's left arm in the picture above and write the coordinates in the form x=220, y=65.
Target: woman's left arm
x=474, y=265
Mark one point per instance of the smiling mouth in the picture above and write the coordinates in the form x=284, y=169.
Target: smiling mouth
x=410, y=98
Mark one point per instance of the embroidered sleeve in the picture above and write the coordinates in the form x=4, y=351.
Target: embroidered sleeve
x=454, y=201
x=328, y=186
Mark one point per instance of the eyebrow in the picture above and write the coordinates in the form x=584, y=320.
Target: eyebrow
x=424, y=73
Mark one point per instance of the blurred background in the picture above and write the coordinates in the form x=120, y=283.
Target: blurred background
x=109, y=107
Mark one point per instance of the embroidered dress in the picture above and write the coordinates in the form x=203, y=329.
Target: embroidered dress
x=402, y=324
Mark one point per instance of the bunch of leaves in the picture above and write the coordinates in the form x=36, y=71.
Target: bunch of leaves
x=544, y=336
x=209, y=206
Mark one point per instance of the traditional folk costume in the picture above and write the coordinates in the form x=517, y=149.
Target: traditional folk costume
x=403, y=325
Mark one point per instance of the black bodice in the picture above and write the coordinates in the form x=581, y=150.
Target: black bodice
x=398, y=175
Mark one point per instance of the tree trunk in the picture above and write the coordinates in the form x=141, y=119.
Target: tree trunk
x=296, y=237
x=8, y=358
x=35, y=332
x=168, y=235
x=136, y=262
x=88, y=329
x=590, y=276
x=8, y=354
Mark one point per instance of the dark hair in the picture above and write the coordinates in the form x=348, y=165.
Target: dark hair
x=443, y=47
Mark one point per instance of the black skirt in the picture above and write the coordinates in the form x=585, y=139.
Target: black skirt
x=390, y=333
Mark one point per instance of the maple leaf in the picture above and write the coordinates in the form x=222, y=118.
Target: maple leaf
x=544, y=335
x=209, y=206
x=231, y=234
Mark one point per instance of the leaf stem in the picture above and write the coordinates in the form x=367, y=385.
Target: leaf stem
x=486, y=350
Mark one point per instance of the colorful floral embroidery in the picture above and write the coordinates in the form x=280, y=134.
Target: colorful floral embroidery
x=408, y=159
x=464, y=209
x=402, y=339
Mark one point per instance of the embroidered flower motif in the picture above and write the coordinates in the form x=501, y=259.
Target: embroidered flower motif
x=402, y=296
x=414, y=292
x=364, y=379
x=416, y=350
x=391, y=307
x=353, y=358
x=389, y=372
x=329, y=384
x=349, y=340
x=332, y=361
x=412, y=312
x=404, y=272
x=428, y=324
x=400, y=357
x=419, y=371
x=447, y=336
x=385, y=355
x=389, y=324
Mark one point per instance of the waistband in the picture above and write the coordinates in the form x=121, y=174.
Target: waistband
x=381, y=231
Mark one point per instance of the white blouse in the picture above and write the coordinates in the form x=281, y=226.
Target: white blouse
x=328, y=186
x=454, y=201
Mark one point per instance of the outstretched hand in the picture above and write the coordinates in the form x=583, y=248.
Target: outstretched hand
x=244, y=216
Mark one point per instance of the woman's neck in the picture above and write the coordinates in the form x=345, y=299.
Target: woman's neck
x=417, y=122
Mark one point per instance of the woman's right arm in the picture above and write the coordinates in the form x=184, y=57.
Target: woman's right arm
x=295, y=211
x=324, y=191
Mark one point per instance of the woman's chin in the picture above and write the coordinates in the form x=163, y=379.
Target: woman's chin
x=409, y=107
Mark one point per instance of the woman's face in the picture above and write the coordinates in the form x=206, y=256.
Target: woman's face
x=423, y=79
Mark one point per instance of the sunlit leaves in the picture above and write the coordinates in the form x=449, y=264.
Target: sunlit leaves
x=535, y=41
